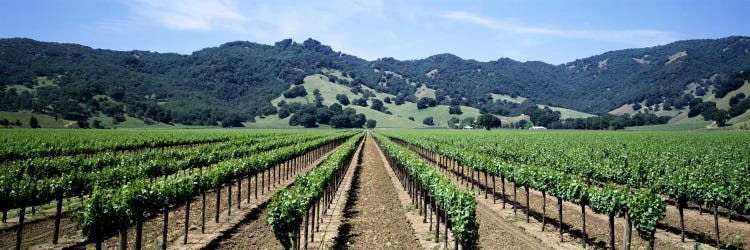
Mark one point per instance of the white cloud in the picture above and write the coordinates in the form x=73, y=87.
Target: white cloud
x=191, y=15
x=641, y=37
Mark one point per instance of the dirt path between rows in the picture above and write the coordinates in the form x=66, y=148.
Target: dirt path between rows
x=255, y=234
x=376, y=218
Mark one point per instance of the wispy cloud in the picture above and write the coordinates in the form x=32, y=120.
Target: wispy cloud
x=190, y=15
x=636, y=36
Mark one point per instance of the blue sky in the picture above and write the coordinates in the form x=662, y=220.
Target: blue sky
x=550, y=31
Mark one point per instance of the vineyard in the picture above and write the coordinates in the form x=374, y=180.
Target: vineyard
x=436, y=189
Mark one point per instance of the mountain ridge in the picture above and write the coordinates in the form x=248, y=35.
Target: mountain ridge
x=241, y=77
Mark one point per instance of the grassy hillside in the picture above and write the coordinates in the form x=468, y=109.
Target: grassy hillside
x=568, y=113
x=46, y=121
x=398, y=119
x=680, y=121
x=502, y=97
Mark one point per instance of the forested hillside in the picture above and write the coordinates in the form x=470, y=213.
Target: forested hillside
x=237, y=81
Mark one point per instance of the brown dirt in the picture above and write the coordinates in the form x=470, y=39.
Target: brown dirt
x=376, y=218
x=495, y=232
x=256, y=234
x=38, y=232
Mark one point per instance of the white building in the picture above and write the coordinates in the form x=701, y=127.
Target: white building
x=537, y=128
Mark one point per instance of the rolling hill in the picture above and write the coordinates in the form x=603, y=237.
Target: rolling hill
x=243, y=80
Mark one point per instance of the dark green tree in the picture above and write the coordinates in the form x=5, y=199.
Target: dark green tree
x=232, y=120
x=343, y=99
x=455, y=109
x=371, y=124
x=428, y=121
x=454, y=123
x=488, y=121
x=377, y=104
x=33, y=122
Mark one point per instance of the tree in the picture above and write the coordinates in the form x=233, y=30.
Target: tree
x=636, y=106
x=423, y=103
x=377, y=105
x=455, y=109
x=523, y=123
x=721, y=117
x=318, y=98
x=700, y=91
x=343, y=99
x=232, y=120
x=97, y=124
x=360, y=102
x=284, y=113
x=323, y=115
x=82, y=124
x=371, y=124
x=387, y=100
x=33, y=122
x=468, y=121
x=399, y=99
x=296, y=91
x=488, y=121
x=454, y=123
x=359, y=121
x=428, y=121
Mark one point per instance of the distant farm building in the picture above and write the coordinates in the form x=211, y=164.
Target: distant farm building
x=537, y=128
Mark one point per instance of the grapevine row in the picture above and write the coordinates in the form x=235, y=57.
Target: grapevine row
x=290, y=206
x=642, y=208
x=25, y=144
x=424, y=181
x=109, y=210
x=711, y=170
x=30, y=190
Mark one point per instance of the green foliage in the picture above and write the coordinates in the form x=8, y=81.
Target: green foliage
x=311, y=115
x=232, y=120
x=42, y=179
x=455, y=109
x=296, y=91
x=636, y=168
x=33, y=122
x=343, y=99
x=646, y=210
x=134, y=202
x=488, y=121
x=611, y=200
x=371, y=124
x=243, y=77
x=377, y=104
x=460, y=205
x=428, y=121
x=454, y=123
x=288, y=206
